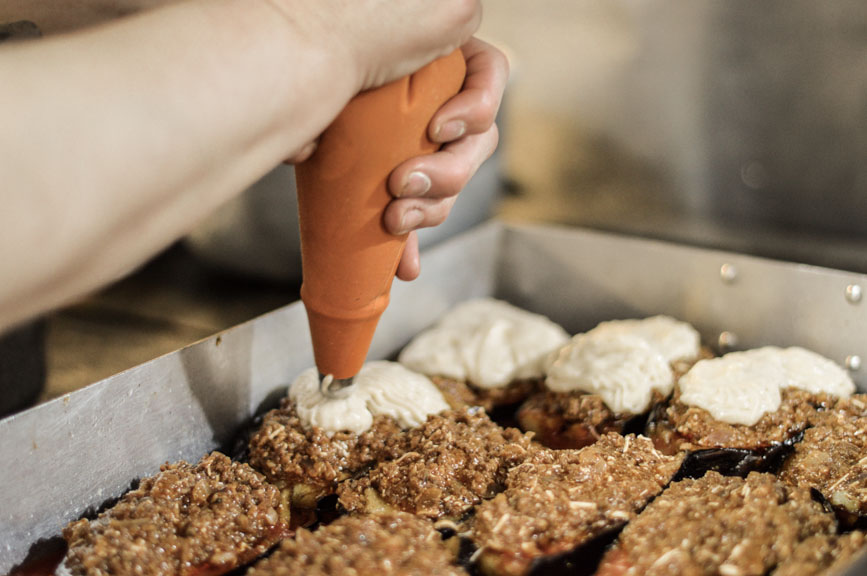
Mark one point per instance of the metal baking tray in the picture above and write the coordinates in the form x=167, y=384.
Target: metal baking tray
x=68, y=456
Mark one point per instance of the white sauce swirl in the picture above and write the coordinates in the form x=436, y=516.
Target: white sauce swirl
x=622, y=368
x=381, y=388
x=673, y=339
x=737, y=388
x=488, y=343
x=814, y=373
x=740, y=387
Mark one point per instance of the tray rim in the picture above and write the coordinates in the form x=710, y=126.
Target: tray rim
x=494, y=238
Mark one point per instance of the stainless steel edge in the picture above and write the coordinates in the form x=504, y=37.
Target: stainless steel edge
x=72, y=454
x=580, y=278
x=75, y=452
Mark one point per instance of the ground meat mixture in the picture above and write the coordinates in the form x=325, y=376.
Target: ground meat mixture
x=575, y=419
x=832, y=458
x=389, y=544
x=202, y=519
x=682, y=427
x=448, y=465
x=460, y=394
x=307, y=462
x=832, y=409
x=558, y=500
x=718, y=525
x=822, y=554
x=571, y=419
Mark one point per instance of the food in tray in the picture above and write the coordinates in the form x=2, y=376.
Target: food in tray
x=558, y=500
x=718, y=525
x=401, y=454
x=741, y=387
x=311, y=443
x=207, y=518
x=757, y=402
x=448, y=465
x=393, y=543
x=604, y=379
x=822, y=554
x=832, y=458
x=485, y=352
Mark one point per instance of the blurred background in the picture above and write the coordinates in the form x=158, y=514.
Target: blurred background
x=736, y=125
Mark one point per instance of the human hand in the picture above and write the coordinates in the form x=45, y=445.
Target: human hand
x=426, y=187
x=374, y=42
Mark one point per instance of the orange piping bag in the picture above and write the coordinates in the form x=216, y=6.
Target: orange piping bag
x=348, y=258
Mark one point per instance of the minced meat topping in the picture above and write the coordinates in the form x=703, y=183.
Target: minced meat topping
x=448, y=465
x=557, y=500
x=832, y=458
x=586, y=409
x=833, y=409
x=822, y=554
x=460, y=394
x=683, y=427
x=395, y=543
x=571, y=419
x=290, y=454
x=718, y=525
x=209, y=517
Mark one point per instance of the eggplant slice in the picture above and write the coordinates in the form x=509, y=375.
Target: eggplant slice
x=732, y=449
x=832, y=459
x=737, y=461
x=307, y=464
x=460, y=394
x=191, y=520
x=573, y=420
x=719, y=525
x=393, y=543
x=449, y=464
x=560, y=504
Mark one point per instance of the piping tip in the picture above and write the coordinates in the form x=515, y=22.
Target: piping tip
x=332, y=387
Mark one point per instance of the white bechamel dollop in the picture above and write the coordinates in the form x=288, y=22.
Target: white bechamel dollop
x=814, y=373
x=674, y=339
x=622, y=368
x=486, y=342
x=380, y=388
x=740, y=387
x=737, y=388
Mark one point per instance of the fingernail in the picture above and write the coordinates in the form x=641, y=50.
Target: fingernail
x=308, y=150
x=451, y=130
x=417, y=184
x=410, y=220
x=304, y=154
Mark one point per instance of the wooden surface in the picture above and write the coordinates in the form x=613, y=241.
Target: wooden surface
x=170, y=303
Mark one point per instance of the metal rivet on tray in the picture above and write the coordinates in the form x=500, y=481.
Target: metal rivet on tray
x=754, y=175
x=727, y=341
x=853, y=293
x=728, y=273
x=853, y=362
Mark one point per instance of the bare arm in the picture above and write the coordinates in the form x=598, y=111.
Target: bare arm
x=117, y=140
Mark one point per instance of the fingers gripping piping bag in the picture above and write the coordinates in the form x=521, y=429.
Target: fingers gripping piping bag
x=348, y=259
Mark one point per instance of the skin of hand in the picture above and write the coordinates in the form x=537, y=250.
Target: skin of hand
x=426, y=187
x=119, y=138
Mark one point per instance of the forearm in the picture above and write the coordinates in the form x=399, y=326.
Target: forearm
x=53, y=17
x=169, y=136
